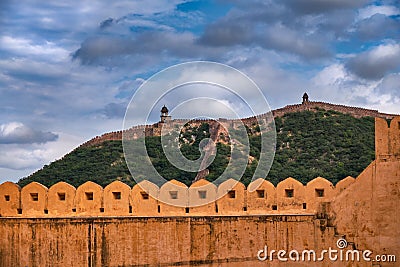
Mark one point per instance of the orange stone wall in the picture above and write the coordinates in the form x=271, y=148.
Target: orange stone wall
x=367, y=211
x=10, y=199
x=157, y=241
x=34, y=199
x=146, y=199
x=89, y=199
x=60, y=199
x=117, y=195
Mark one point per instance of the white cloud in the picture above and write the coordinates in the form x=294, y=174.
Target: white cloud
x=330, y=75
x=24, y=159
x=383, y=52
x=7, y=129
x=390, y=85
x=26, y=47
x=336, y=84
x=20, y=158
x=369, y=11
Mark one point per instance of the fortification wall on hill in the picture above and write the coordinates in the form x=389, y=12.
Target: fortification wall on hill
x=354, y=111
x=155, y=129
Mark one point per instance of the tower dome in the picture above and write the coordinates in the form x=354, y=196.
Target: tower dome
x=305, y=98
x=164, y=109
x=164, y=115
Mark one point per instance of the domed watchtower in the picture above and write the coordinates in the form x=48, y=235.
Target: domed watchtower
x=164, y=114
x=305, y=98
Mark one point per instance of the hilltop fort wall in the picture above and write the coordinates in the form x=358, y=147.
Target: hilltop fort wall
x=312, y=105
x=155, y=129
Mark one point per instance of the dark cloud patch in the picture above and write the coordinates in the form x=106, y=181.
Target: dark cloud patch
x=255, y=11
x=35, y=75
x=335, y=23
x=376, y=63
x=96, y=47
x=303, y=28
x=308, y=29
x=275, y=37
x=304, y=6
x=106, y=23
x=281, y=38
x=245, y=25
x=378, y=26
x=115, y=110
x=321, y=6
x=18, y=133
x=226, y=34
x=4, y=6
x=149, y=45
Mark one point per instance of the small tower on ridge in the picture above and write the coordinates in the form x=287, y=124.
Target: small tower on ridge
x=164, y=114
x=305, y=98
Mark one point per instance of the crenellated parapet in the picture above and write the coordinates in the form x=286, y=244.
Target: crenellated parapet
x=147, y=199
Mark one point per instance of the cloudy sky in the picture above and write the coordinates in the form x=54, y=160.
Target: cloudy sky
x=68, y=70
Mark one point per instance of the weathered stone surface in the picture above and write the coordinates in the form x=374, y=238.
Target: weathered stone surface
x=60, y=199
x=118, y=198
x=33, y=199
x=202, y=196
x=261, y=196
x=144, y=197
x=155, y=241
x=9, y=199
x=231, y=198
x=89, y=199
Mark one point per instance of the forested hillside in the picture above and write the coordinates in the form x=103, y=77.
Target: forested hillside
x=309, y=144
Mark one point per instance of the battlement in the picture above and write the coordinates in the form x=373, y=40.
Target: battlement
x=147, y=199
x=387, y=139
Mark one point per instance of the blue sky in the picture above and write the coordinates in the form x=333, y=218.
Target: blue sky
x=68, y=70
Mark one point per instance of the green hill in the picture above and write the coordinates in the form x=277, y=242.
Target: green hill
x=309, y=144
